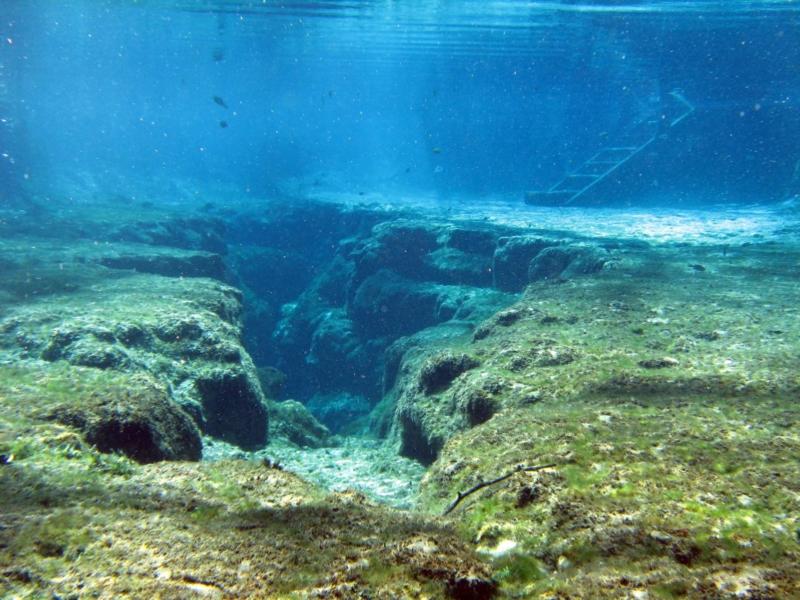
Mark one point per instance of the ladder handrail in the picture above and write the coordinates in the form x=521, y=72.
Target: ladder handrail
x=682, y=99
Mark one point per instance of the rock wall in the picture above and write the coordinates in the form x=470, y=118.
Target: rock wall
x=159, y=318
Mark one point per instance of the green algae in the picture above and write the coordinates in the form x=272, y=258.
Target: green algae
x=662, y=503
x=670, y=471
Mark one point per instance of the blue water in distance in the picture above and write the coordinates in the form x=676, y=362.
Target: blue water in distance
x=450, y=99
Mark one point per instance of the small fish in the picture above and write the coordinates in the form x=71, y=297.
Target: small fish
x=436, y=150
x=697, y=267
x=220, y=101
x=223, y=124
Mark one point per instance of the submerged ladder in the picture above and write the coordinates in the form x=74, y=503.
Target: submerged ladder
x=609, y=159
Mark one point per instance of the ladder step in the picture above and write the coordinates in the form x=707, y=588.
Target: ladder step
x=595, y=169
x=612, y=155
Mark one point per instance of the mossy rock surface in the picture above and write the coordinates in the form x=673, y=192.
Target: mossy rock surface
x=648, y=496
x=182, y=333
x=130, y=414
x=648, y=325
x=666, y=397
x=231, y=529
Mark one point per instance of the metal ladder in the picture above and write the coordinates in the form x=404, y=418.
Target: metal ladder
x=610, y=158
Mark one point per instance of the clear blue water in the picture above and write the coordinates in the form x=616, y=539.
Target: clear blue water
x=449, y=99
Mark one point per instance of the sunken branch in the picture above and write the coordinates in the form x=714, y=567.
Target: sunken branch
x=483, y=484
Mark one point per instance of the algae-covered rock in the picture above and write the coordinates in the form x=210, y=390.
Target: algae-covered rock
x=512, y=260
x=171, y=329
x=199, y=233
x=473, y=240
x=139, y=421
x=224, y=529
x=428, y=337
x=272, y=381
x=387, y=304
x=565, y=262
x=173, y=264
x=655, y=496
x=438, y=372
x=397, y=278
x=130, y=414
x=86, y=348
x=293, y=421
x=337, y=352
x=604, y=334
x=455, y=266
x=233, y=407
x=399, y=246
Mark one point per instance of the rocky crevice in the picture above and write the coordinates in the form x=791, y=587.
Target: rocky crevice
x=333, y=301
x=331, y=310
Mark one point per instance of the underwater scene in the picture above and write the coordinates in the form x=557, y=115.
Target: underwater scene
x=369, y=299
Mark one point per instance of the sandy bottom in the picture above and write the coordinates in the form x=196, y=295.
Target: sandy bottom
x=355, y=463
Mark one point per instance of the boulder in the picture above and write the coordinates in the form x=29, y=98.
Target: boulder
x=293, y=421
x=233, y=407
x=512, y=260
x=565, y=262
x=139, y=421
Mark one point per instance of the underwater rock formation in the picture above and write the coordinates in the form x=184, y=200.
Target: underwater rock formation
x=177, y=530
x=664, y=396
x=389, y=280
x=566, y=262
x=439, y=371
x=512, y=260
x=181, y=332
x=205, y=233
x=198, y=264
x=233, y=406
x=139, y=421
x=293, y=421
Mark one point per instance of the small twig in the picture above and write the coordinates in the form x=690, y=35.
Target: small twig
x=483, y=484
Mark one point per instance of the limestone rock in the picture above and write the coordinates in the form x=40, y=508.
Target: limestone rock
x=174, y=330
x=192, y=234
x=293, y=421
x=272, y=382
x=565, y=262
x=140, y=422
x=170, y=264
x=233, y=407
x=512, y=260
x=441, y=369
